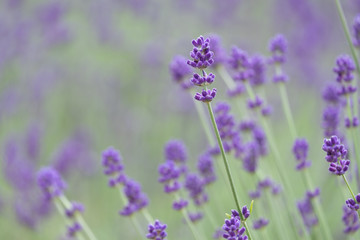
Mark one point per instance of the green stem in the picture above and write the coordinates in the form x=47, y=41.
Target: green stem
x=228, y=172
x=147, y=215
x=287, y=110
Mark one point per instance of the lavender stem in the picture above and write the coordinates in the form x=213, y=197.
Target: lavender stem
x=227, y=169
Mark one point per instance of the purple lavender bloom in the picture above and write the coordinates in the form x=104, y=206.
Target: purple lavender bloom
x=136, y=198
x=157, y=231
x=237, y=91
x=219, y=52
x=50, y=182
x=25, y=213
x=218, y=234
x=180, y=204
x=256, y=103
x=339, y=168
x=175, y=150
x=312, y=194
x=331, y=118
x=307, y=212
x=196, y=216
x=224, y=120
x=334, y=149
x=259, y=70
x=247, y=125
x=353, y=123
x=245, y=212
x=240, y=62
x=330, y=94
x=280, y=78
x=205, y=167
x=351, y=220
x=179, y=69
x=232, y=228
x=260, y=139
x=278, y=48
x=344, y=69
x=113, y=166
x=260, y=223
x=352, y=204
x=75, y=208
x=169, y=174
x=265, y=183
x=201, y=54
x=356, y=31
x=199, y=80
x=73, y=229
x=196, y=186
x=255, y=194
x=300, y=150
x=266, y=110
x=206, y=95
x=251, y=157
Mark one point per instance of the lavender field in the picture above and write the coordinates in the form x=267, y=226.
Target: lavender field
x=144, y=119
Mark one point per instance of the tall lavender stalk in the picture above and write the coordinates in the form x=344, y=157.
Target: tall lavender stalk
x=201, y=59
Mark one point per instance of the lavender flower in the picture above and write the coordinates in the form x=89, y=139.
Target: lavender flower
x=245, y=212
x=73, y=229
x=336, y=152
x=179, y=69
x=180, y=204
x=232, y=228
x=280, y=78
x=351, y=123
x=219, y=52
x=300, y=150
x=259, y=70
x=50, y=182
x=195, y=186
x=157, y=231
x=256, y=103
x=206, y=95
x=351, y=220
x=175, y=150
x=205, y=167
x=136, y=198
x=331, y=118
x=344, y=69
x=75, y=208
x=260, y=223
x=201, y=54
x=260, y=138
x=330, y=94
x=169, y=174
x=251, y=157
x=240, y=62
x=356, y=31
x=237, y=91
x=307, y=212
x=112, y=162
x=278, y=48
x=196, y=216
x=202, y=80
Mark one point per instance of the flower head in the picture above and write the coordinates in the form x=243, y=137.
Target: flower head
x=113, y=166
x=50, y=182
x=179, y=69
x=278, y=48
x=201, y=55
x=156, y=231
x=175, y=150
x=232, y=228
x=356, y=31
x=300, y=150
x=136, y=198
x=206, y=95
x=260, y=223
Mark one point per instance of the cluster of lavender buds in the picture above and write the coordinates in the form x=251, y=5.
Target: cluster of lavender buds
x=353, y=204
x=157, y=231
x=336, y=154
x=262, y=186
x=306, y=208
x=260, y=223
x=180, y=71
x=300, y=150
x=202, y=57
x=344, y=69
x=331, y=113
x=278, y=49
x=351, y=220
x=113, y=167
x=232, y=227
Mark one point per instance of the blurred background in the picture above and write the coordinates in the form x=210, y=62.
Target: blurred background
x=79, y=76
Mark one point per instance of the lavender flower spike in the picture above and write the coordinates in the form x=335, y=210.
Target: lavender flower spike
x=157, y=231
x=201, y=54
x=232, y=228
x=300, y=150
x=278, y=48
x=50, y=182
x=356, y=31
x=336, y=152
x=351, y=220
x=137, y=200
x=112, y=162
x=206, y=95
x=175, y=150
